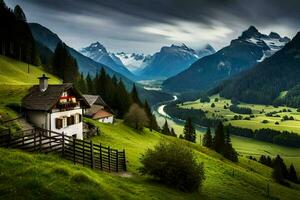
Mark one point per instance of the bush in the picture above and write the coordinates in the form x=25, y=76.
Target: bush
x=212, y=105
x=174, y=165
x=264, y=121
x=136, y=117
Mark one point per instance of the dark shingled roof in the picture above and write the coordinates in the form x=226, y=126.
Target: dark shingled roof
x=37, y=100
x=94, y=99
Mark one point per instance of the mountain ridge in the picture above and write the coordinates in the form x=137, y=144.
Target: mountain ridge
x=244, y=52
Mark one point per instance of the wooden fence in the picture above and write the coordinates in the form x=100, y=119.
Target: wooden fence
x=78, y=151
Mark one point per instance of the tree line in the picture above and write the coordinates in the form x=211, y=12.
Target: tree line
x=220, y=142
x=284, y=138
x=16, y=39
x=280, y=171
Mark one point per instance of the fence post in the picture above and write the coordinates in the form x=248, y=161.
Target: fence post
x=83, y=152
x=109, y=158
x=74, y=157
x=63, y=145
x=117, y=161
x=50, y=140
x=101, y=166
x=92, y=155
x=40, y=142
x=124, y=164
x=34, y=139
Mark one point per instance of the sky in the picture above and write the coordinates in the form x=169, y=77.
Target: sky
x=144, y=26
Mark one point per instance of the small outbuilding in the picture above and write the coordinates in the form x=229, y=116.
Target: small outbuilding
x=98, y=110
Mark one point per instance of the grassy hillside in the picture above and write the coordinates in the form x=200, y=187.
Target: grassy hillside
x=15, y=82
x=32, y=176
x=13, y=72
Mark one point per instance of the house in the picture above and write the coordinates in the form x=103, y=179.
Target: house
x=58, y=108
x=98, y=110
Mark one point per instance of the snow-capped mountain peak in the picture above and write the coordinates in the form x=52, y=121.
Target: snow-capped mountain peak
x=269, y=43
x=133, y=61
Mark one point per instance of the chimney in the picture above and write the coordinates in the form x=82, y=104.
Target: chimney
x=43, y=83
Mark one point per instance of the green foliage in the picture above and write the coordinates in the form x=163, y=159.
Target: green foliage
x=204, y=98
x=240, y=110
x=189, y=131
x=134, y=96
x=293, y=174
x=152, y=119
x=280, y=171
x=136, y=117
x=213, y=105
x=64, y=65
x=207, y=139
x=174, y=165
x=16, y=39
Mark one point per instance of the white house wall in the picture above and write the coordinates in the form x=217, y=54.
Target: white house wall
x=69, y=130
x=38, y=118
x=107, y=120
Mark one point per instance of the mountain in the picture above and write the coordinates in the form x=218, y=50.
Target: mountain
x=205, y=51
x=48, y=39
x=265, y=82
x=98, y=53
x=133, y=61
x=244, y=52
x=169, y=61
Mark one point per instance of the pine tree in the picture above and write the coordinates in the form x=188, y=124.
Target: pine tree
x=207, y=139
x=293, y=174
x=20, y=15
x=189, y=131
x=64, y=65
x=81, y=84
x=123, y=99
x=90, y=85
x=165, y=129
x=278, y=162
x=228, y=151
x=134, y=96
x=152, y=119
x=219, y=138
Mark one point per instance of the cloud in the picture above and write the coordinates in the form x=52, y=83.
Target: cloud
x=149, y=24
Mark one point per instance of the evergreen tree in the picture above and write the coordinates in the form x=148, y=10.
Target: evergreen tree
x=152, y=119
x=219, y=138
x=90, y=85
x=20, y=15
x=165, y=129
x=123, y=99
x=279, y=163
x=189, y=131
x=228, y=151
x=64, y=65
x=81, y=84
x=277, y=173
x=293, y=174
x=134, y=96
x=207, y=139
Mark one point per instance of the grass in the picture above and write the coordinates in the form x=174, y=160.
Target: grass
x=14, y=84
x=250, y=176
x=254, y=123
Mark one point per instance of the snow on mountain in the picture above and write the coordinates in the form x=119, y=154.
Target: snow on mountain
x=270, y=43
x=133, y=61
x=98, y=53
x=171, y=60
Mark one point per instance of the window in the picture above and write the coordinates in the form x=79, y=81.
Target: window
x=70, y=120
x=58, y=123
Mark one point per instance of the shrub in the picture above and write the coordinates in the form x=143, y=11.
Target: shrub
x=264, y=121
x=174, y=165
x=212, y=105
x=276, y=123
x=136, y=117
x=216, y=99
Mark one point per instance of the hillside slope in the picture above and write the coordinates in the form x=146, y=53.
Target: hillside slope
x=13, y=72
x=264, y=83
x=33, y=176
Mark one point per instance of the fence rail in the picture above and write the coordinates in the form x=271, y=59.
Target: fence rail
x=78, y=151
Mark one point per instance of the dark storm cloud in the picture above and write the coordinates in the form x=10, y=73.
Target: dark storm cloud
x=256, y=11
x=148, y=24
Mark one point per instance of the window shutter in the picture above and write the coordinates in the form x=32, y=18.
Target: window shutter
x=58, y=123
x=72, y=119
x=69, y=121
x=80, y=118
